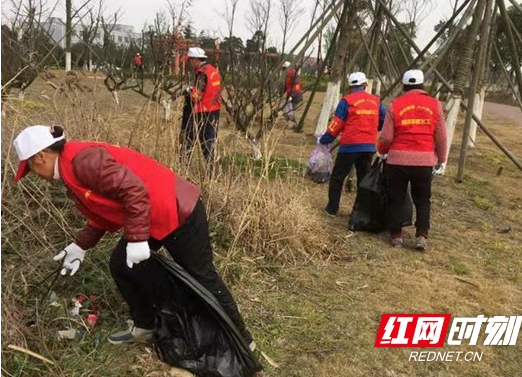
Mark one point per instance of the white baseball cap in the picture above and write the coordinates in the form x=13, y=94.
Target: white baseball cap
x=194, y=52
x=413, y=77
x=29, y=142
x=356, y=79
x=286, y=64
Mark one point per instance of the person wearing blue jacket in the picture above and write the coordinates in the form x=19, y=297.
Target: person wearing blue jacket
x=358, y=118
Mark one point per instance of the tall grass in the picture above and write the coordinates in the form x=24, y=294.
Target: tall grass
x=256, y=211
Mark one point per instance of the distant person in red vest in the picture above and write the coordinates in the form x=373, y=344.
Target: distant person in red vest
x=117, y=188
x=205, y=98
x=137, y=62
x=292, y=92
x=358, y=118
x=414, y=139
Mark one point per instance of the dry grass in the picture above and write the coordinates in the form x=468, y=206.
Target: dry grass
x=311, y=292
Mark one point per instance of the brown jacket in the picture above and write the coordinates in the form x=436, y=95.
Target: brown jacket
x=96, y=169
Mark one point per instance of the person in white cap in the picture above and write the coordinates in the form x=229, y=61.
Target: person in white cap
x=292, y=92
x=205, y=100
x=414, y=139
x=358, y=117
x=117, y=188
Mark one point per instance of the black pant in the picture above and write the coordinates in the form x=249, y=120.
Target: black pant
x=420, y=178
x=343, y=165
x=201, y=127
x=190, y=247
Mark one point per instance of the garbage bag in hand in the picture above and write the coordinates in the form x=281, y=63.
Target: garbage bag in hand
x=193, y=332
x=319, y=168
x=371, y=208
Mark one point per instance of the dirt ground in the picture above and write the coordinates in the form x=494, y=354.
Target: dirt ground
x=319, y=318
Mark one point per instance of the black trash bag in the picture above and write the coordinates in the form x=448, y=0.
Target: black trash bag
x=193, y=332
x=371, y=208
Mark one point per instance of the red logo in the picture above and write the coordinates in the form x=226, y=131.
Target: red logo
x=412, y=330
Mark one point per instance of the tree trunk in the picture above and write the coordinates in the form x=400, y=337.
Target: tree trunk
x=68, y=32
x=485, y=15
x=334, y=84
x=478, y=108
x=378, y=87
x=463, y=71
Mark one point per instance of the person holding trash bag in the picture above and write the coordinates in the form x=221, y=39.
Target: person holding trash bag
x=117, y=188
x=358, y=117
x=292, y=92
x=414, y=139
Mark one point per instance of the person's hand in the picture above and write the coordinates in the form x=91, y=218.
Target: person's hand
x=439, y=169
x=72, y=257
x=382, y=156
x=319, y=139
x=289, y=99
x=137, y=252
x=188, y=89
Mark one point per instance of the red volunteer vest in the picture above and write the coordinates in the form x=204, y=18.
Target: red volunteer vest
x=108, y=214
x=415, y=117
x=292, y=82
x=211, y=98
x=363, y=119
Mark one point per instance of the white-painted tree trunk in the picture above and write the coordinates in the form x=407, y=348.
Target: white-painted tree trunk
x=167, y=106
x=449, y=104
x=21, y=95
x=451, y=123
x=330, y=101
x=369, y=87
x=439, y=85
x=67, y=61
x=115, y=97
x=478, y=108
x=378, y=87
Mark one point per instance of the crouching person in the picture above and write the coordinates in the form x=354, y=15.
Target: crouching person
x=118, y=188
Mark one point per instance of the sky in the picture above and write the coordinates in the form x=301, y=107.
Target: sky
x=205, y=15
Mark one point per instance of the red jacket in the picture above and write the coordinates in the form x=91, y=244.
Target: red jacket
x=206, y=93
x=292, y=84
x=137, y=61
x=363, y=120
x=415, y=117
x=116, y=187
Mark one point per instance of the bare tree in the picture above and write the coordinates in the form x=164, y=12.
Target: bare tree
x=26, y=43
x=289, y=13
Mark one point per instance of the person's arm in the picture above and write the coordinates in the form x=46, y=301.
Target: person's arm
x=200, y=82
x=387, y=133
x=97, y=170
x=441, y=141
x=382, y=116
x=337, y=124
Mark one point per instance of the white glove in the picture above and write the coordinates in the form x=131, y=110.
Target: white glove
x=137, y=252
x=188, y=89
x=319, y=139
x=72, y=256
x=439, y=169
x=289, y=99
x=382, y=156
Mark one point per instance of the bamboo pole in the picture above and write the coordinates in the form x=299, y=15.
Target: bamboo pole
x=428, y=46
x=493, y=138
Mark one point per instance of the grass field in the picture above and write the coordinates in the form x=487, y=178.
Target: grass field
x=311, y=292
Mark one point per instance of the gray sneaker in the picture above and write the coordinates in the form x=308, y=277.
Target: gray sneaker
x=132, y=334
x=329, y=213
x=397, y=241
x=421, y=243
